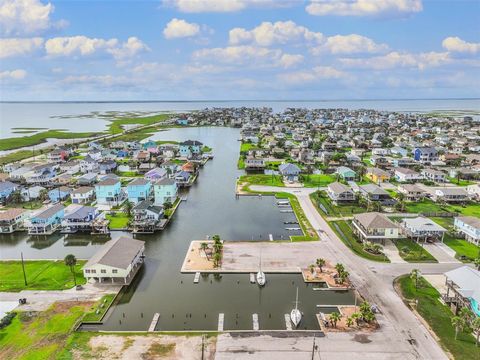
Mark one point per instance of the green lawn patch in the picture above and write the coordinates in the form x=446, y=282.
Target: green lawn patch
x=438, y=316
x=101, y=306
x=344, y=231
x=19, y=142
x=261, y=179
x=41, y=275
x=461, y=182
x=321, y=198
x=15, y=156
x=446, y=222
x=117, y=126
x=118, y=221
x=246, y=147
x=241, y=162
x=465, y=251
x=424, y=206
x=411, y=251
x=317, y=180
x=471, y=209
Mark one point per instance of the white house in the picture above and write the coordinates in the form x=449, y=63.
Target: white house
x=469, y=227
x=422, y=228
x=374, y=226
x=407, y=175
x=117, y=261
x=450, y=195
x=82, y=195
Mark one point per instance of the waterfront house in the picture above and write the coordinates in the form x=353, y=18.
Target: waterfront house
x=425, y=154
x=422, y=228
x=289, y=171
x=182, y=178
x=109, y=192
x=468, y=227
x=450, y=195
x=411, y=192
x=59, y=194
x=138, y=190
x=41, y=174
x=340, y=193
x=182, y=121
x=377, y=175
x=189, y=167
x=156, y=174
x=252, y=163
x=117, y=261
x=463, y=289
x=434, y=175
x=107, y=166
x=165, y=190
x=82, y=195
x=87, y=179
x=78, y=218
x=46, y=221
x=150, y=146
x=406, y=175
x=11, y=220
x=6, y=189
x=189, y=148
x=146, y=217
x=374, y=226
x=346, y=173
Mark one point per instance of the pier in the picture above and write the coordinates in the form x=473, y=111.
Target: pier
x=288, y=322
x=197, y=277
x=221, y=317
x=256, y=325
x=252, y=278
x=154, y=322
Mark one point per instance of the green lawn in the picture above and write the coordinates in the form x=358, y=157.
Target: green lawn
x=346, y=234
x=463, y=248
x=18, y=142
x=261, y=179
x=317, y=180
x=246, y=147
x=309, y=232
x=415, y=253
x=118, y=221
x=116, y=126
x=334, y=210
x=438, y=316
x=40, y=335
x=15, y=156
x=102, y=306
x=446, y=222
x=241, y=162
x=471, y=209
x=426, y=206
x=41, y=275
x=461, y=182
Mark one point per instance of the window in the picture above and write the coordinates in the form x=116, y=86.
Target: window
x=114, y=271
x=87, y=271
x=93, y=271
x=103, y=271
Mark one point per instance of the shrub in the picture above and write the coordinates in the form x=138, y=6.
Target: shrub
x=7, y=319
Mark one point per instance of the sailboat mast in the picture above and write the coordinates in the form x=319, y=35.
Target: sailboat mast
x=296, y=300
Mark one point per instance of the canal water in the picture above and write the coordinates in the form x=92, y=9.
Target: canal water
x=211, y=208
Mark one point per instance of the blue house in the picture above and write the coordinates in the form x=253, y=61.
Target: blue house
x=122, y=153
x=150, y=144
x=182, y=121
x=109, y=192
x=46, y=221
x=289, y=171
x=189, y=148
x=165, y=190
x=6, y=188
x=425, y=154
x=58, y=194
x=139, y=190
x=346, y=173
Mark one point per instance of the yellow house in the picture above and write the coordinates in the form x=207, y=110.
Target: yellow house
x=377, y=175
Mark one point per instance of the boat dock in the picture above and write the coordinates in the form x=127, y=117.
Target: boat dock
x=292, y=228
x=256, y=325
x=154, y=322
x=270, y=236
x=286, y=211
x=197, y=277
x=288, y=322
x=252, y=278
x=221, y=317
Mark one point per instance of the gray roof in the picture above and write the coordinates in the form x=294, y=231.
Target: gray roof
x=7, y=185
x=467, y=280
x=138, y=181
x=148, y=205
x=423, y=224
x=108, y=182
x=453, y=191
x=165, y=181
x=117, y=253
x=470, y=220
x=339, y=188
x=49, y=212
x=373, y=189
x=289, y=169
x=375, y=220
x=78, y=211
x=83, y=190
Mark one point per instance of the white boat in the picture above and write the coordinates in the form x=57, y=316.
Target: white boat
x=295, y=314
x=261, y=279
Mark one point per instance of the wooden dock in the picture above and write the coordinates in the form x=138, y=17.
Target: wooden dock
x=252, y=278
x=197, y=277
x=154, y=322
x=221, y=317
x=256, y=325
x=288, y=322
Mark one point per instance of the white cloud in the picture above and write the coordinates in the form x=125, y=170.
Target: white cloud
x=455, y=44
x=13, y=74
x=349, y=44
x=267, y=33
x=199, y=6
x=387, y=8
x=77, y=45
x=178, y=28
x=395, y=60
x=25, y=16
x=289, y=60
x=15, y=46
x=128, y=49
x=317, y=73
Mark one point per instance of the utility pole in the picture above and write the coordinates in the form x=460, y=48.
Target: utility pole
x=203, y=345
x=23, y=268
x=314, y=347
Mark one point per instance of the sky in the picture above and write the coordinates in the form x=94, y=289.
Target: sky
x=239, y=49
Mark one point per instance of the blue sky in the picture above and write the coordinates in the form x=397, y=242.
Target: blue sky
x=239, y=49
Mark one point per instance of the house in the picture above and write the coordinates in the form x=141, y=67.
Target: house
x=165, y=190
x=82, y=195
x=138, y=190
x=150, y=146
x=377, y=160
x=182, y=121
x=425, y=154
x=70, y=167
x=289, y=171
x=397, y=150
x=117, y=261
x=340, y=193
x=374, y=193
x=57, y=155
x=182, y=178
x=107, y=166
x=374, y=226
x=146, y=217
x=78, y=218
x=32, y=193
x=252, y=163
x=143, y=156
x=474, y=191
x=406, y=175
x=6, y=189
x=109, y=192
x=59, y=194
x=46, y=221
x=41, y=174
x=411, y=192
x=434, y=175
x=189, y=148
x=87, y=179
x=469, y=227
x=422, y=228
x=143, y=168
x=346, y=173
x=189, y=167
x=463, y=289
x=156, y=174
x=377, y=175
x=89, y=164
x=11, y=220
x=450, y=195
x=403, y=162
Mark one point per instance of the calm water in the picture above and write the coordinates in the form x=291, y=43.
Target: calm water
x=211, y=208
x=45, y=114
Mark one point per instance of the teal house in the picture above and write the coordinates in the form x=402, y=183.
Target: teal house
x=46, y=221
x=189, y=148
x=165, y=190
x=109, y=192
x=346, y=173
x=139, y=190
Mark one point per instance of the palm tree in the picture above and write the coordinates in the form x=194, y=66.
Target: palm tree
x=339, y=267
x=15, y=197
x=128, y=208
x=312, y=268
x=356, y=317
x=477, y=263
x=70, y=260
x=458, y=324
x=415, y=276
x=343, y=276
x=320, y=263
x=216, y=259
x=334, y=318
x=204, y=247
x=475, y=325
x=349, y=321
